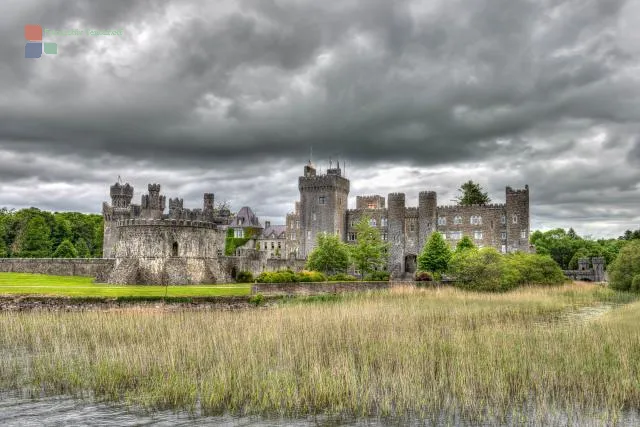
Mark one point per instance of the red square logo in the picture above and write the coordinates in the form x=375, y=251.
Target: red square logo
x=33, y=33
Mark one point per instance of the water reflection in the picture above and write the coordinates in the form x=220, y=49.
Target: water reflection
x=63, y=411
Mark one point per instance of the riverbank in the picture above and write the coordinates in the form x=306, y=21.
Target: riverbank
x=401, y=352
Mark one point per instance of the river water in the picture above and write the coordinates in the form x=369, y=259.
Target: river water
x=64, y=411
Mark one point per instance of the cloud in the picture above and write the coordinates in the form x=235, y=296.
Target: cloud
x=231, y=96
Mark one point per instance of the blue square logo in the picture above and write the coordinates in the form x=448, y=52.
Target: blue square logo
x=33, y=50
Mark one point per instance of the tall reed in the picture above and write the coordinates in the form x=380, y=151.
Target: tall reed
x=405, y=352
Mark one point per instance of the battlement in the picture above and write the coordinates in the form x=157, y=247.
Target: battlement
x=459, y=207
x=427, y=194
x=411, y=212
x=510, y=190
x=175, y=203
x=154, y=188
x=164, y=223
x=118, y=189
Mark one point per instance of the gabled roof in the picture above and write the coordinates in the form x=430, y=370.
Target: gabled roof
x=245, y=218
x=278, y=232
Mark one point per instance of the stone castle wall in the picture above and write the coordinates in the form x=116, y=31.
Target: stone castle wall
x=86, y=267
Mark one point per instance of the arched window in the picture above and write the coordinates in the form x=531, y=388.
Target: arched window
x=457, y=220
x=372, y=222
x=476, y=220
x=174, y=249
x=514, y=218
x=442, y=220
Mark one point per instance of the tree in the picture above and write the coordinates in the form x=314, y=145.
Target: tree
x=65, y=250
x=472, y=194
x=82, y=248
x=330, y=256
x=34, y=240
x=435, y=255
x=465, y=243
x=625, y=267
x=370, y=252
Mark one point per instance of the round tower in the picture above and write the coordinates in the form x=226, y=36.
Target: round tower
x=395, y=215
x=517, y=218
x=427, y=216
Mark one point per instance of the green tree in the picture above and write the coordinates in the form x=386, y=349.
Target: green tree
x=625, y=267
x=370, y=251
x=35, y=239
x=82, y=248
x=464, y=244
x=472, y=194
x=65, y=250
x=330, y=255
x=435, y=255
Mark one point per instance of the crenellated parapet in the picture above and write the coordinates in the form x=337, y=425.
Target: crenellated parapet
x=411, y=212
x=471, y=207
x=148, y=222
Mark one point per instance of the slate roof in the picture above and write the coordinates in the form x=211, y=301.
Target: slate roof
x=279, y=231
x=245, y=218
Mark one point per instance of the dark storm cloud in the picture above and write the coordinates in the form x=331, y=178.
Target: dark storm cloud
x=230, y=97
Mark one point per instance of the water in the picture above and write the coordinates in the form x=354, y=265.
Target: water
x=65, y=411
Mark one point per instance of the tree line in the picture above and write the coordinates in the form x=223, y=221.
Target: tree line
x=33, y=233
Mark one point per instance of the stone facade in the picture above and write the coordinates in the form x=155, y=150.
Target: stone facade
x=590, y=270
x=322, y=208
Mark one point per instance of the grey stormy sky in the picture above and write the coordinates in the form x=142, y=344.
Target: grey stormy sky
x=228, y=96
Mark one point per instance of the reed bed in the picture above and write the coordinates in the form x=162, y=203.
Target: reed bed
x=405, y=352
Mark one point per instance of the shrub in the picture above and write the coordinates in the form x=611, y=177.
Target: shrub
x=635, y=283
x=377, y=276
x=311, y=276
x=423, y=276
x=244, y=277
x=281, y=276
x=341, y=277
x=257, y=299
x=626, y=267
x=435, y=255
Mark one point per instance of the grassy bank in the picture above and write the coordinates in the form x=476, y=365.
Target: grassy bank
x=41, y=284
x=399, y=352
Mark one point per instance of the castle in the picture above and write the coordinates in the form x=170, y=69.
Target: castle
x=187, y=246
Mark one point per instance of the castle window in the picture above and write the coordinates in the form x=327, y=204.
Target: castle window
x=322, y=200
x=475, y=220
x=351, y=237
x=477, y=235
x=457, y=220
x=272, y=245
x=514, y=218
x=442, y=220
x=314, y=216
x=239, y=232
x=293, y=236
x=297, y=224
x=279, y=245
x=456, y=235
x=504, y=249
x=371, y=205
x=383, y=222
x=503, y=219
x=523, y=234
x=412, y=227
x=384, y=236
x=308, y=234
x=174, y=249
x=372, y=222
x=503, y=235
x=265, y=246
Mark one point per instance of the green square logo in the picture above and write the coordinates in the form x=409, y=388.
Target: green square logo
x=50, y=48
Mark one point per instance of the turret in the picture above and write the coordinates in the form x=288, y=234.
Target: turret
x=323, y=205
x=208, y=201
x=517, y=218
x=153, y=204
x=427, y=216
x=395, y=215
x=120, y=209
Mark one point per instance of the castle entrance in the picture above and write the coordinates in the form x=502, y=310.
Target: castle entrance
x=410, y=264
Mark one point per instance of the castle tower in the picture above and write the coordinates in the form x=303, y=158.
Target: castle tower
x=427, y=216
x=120, y=209
x=395, y=215
x=323, y=205
x=153, y=204
x=208, y=201
x=176, y=207
x=517, y=218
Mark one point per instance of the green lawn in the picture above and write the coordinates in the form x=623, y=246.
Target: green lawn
x=42, y=284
